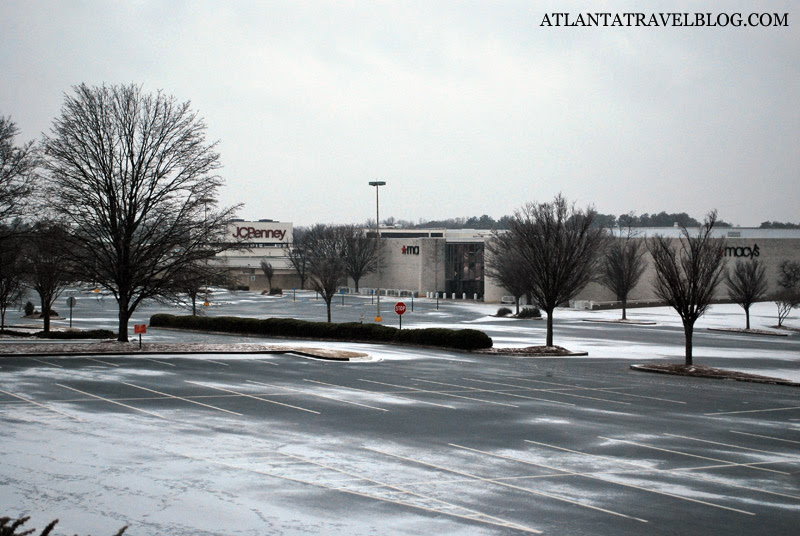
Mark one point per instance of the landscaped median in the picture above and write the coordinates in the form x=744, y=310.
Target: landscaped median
x=460, y=339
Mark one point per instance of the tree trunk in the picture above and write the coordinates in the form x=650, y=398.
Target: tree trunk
x=688, y=330
x=516, y=300
x=45, y=316
x=122, y=336
x=549, y=328
x=624, y=309
x=747, y=317
x=328, y=305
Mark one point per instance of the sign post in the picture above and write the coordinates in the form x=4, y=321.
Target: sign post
x=400, y=308
x=140, y=328
x=71, y=303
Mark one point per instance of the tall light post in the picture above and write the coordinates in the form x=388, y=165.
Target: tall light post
x=377, y=185
x=206, y=201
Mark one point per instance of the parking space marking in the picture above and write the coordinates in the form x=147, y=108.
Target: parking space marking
x=496, y=391
x=309, y=393
x=263, y=362
x=765, y=437
x=616, y=389
x=572, y=387
x=523, y=388
x=558, y=391
x=753, y=411
x=38, y=404
x=506, y=484
x=689, y=470
x=101, y=361
x=43, y=362
x=254, y=397
x=440, y=393
x=159, y=362
x=446, y=508
x=111, y=401
x=381, y=394
x=181, y=398
x=726, y=445
x=728, y=463
x=215, y=362
x=594, y=476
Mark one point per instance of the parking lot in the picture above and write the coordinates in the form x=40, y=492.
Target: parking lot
x=411, y=441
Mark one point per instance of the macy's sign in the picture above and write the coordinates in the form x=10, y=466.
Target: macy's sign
x=251, y=232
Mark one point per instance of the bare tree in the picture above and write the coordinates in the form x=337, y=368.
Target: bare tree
x=12, y=287
x=788, y=296
x=747, y=284
x=360, y=256
x=132, y=175
x=269, y=273
x=326, y=266
x=560, y=249
x=192, y=283
x=688, y=273
x=47, y=266
x=505, y=265
x=622, y=266
x=17, y=168
x=298, y=254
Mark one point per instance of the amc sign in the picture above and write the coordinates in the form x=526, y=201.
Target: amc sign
x=410, y=250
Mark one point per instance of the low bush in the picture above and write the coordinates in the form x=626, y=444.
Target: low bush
x=462, y=339
x=29, y=308
x=90, y=334
x=530, y=312
x=503, y=311
x=9, y=527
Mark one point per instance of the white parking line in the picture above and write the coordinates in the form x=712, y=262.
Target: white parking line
x=594, y=476
x=44, y=406
x=495, y=391
x=101, y=361
x=254, y=397
x=44, y=362
x=753, y=411
x=181, y=398
x=728, y=463
x=446, y=509
x=440, y=393
x=765, y=437
x=111, y=401
x=726, y=445
x=523, y=388
x=159, y=362
x=309, y=393
x=639, y=467
x=380, y=394
x=577, y=387
x=506, y=484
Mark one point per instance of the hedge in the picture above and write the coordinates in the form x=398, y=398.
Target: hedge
x=462, y=339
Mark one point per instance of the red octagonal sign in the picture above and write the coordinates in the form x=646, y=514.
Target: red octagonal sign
x=399, y=308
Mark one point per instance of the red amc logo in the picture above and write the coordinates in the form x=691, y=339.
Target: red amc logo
x=252, y=232
x=410, y=250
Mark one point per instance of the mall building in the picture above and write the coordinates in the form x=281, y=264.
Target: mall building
x=451, y=262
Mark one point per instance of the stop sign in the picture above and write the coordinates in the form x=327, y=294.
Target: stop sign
x=399, y=308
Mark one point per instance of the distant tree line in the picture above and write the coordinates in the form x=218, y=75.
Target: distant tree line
x=662, y=219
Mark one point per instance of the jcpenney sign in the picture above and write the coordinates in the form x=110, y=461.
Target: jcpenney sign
x=251, y=232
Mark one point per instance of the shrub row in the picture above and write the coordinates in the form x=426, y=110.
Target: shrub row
x=462, y=339
x=88, y=334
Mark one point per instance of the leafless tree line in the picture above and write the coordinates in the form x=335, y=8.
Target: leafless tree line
x=552, y=250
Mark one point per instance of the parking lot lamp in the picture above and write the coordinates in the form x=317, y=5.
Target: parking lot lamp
x=377, y=185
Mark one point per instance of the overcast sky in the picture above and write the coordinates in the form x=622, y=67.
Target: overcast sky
x=463, y=108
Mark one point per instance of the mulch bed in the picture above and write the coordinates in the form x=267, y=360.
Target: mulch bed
x=750, y=331
x=700, y=371
x=532, y=351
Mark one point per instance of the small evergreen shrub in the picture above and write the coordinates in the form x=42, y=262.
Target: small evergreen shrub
x=29, y=309
x=530, y=312
x=90, y=334
x=462, y=339
x=503, y=311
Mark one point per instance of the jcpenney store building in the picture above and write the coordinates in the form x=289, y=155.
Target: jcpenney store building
x=452, y=261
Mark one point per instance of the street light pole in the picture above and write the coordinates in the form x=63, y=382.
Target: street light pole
x=377, y=185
